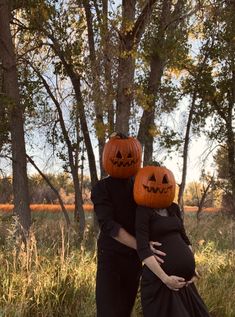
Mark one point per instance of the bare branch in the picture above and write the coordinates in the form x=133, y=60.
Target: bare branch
x=53, y=189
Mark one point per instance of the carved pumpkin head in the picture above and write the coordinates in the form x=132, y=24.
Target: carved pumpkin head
x=121, y=156
x=154, y=187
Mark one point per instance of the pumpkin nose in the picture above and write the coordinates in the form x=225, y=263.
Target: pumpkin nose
x=119, y=155
x=129, y=155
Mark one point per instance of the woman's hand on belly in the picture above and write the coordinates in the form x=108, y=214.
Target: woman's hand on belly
x=194, y=278
x=174, y=282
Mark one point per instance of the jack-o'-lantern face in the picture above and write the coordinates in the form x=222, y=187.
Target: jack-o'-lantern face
x=122, y=156
x=154, y=187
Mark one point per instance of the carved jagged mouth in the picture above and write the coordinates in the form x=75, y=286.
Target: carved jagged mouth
x=155, y=190
x=121, y=163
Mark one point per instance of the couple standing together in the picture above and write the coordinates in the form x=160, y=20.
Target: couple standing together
x=139, y=223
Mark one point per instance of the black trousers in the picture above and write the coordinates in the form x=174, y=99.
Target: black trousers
x=117, y=282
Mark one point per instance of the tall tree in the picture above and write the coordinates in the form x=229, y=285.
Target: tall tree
x=130, y=34
x=217, y=89
x=15, y=112
x=192, y=87
x=165, y=48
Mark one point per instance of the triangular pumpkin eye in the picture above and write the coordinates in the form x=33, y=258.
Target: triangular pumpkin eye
x=119, y=155
x=165, y=180
x=129, y=155
x=152, y=178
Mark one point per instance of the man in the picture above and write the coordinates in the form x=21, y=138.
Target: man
x=118, y=265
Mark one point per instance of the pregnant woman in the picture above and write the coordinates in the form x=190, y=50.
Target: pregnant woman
x=167, y=289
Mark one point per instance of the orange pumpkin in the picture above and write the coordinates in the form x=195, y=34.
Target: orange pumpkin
x=154, y=187
x=122, y=156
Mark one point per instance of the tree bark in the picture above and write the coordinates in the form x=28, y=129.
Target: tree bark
x=157, y=63
x=96, y=78
x=126, y=68
x=185, y=151
x=4, y=124
x=130, y=35
x=145, y=135
x=15, y=108
x=231, y=152
x=107, y=58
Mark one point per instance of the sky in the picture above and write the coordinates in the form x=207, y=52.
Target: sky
x=41, y=153
x=198, y=159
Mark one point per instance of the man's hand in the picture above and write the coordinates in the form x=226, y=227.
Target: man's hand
x=157, y=253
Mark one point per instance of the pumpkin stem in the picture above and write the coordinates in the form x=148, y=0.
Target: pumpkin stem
x=152, y=163
x=119, y=135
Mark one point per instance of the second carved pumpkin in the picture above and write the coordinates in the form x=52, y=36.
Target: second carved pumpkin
x=154, y=187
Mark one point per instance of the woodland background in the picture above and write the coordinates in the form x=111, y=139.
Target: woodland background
x=72, y=72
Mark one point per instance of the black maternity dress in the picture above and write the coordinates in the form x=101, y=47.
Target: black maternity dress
x=157, y=299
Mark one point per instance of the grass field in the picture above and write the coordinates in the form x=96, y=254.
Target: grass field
x=55, y=276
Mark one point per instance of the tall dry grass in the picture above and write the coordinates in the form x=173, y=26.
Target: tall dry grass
x=214, y=242
x=54, y=276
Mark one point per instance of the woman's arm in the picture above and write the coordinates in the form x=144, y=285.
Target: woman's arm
x=143, y=216
x=173, y=282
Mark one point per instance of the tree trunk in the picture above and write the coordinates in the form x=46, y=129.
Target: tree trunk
x=130, y=35
x=107, y=58
x=147, y=125
x=145, y=135
x=125, y=69
x=79, y=211
x=185, y=152
x=231, y=153
x=187, y=133
x=90, y=153
x=11, y=89
x=96, y=91
x=76, y=82
x=4, y=124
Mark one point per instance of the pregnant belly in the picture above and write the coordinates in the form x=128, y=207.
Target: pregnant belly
x=179, y=259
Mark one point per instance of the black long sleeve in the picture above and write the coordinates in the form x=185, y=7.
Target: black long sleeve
x=142, y=225
x=104, y=209
x=114, y=207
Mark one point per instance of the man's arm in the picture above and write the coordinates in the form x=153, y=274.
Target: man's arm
x=125, y=238
x=104, y=212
